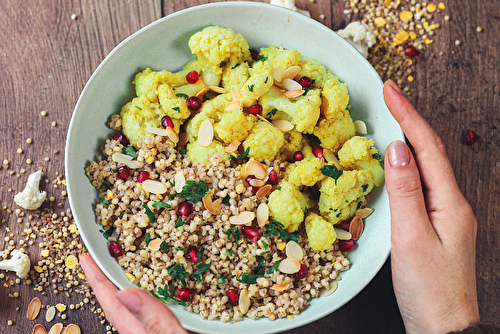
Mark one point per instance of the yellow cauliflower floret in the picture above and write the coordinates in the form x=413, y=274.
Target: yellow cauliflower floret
x=202, y=155
x=261, y=79
x=315, y=70
x=287, y=205
x=320, y=233
x=172, y=105
x=334, y=132
x=280, y=57
x=341, y=193
x=211, y=109
x=293, y=143
x=306, y=172
x=138, y=115
x=146, y=83
x=234, y=125
x=264, y=141
x=335, y=98
x=336, y=216
x=235, y=77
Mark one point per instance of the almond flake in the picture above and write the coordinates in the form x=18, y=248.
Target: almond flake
x=262, y=192
x=73, y=329
x=243, y=218
x=290, y=84
x=283, y=125
x=244, y=301
x=157, y=131
x=331, y=289
x=264, y=120
x=201, y=92
x=363, y=213
x=330, y=157
x=183, y=139
x=218, y=89
x=232, y=105
x=39, y=329
x=356, y=227
x=206, y=133
x=172, y=135
x=253, y=167
x=289, y=266
x=155, y=244
x=233, y=147
x=360, y=127
x=126, y=160
x=50, y=314
x=235, y=94
x=278, y=73
x=257, y=183
x=294, y=251
x=212, y=207
x=291, y=72
x=281, y=287
x=33, y=308
x=343, y=234
x=56, y=329
x=262, y=214
x=179, y=181
x=294, y=93
x=155, y=187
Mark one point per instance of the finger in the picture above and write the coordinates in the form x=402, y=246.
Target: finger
x=105, y=291
x=155, y=316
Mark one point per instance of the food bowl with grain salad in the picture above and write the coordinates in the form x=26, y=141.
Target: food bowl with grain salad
x=228, y=159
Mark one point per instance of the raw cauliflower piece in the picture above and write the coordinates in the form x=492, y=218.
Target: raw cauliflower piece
x=202, y=155
x=172, y=105
x=334, y=132
x=261, y=79
x=345, y=192
x=234, y=125
x=360, y=35
x=287, y=205
x=334, y=98
x=280, y=57
x=31, y=198
x=19, y=262
x=264, y=141
x=320, y=233
x=313, y=69
x=357, y=153
x=306, y=172
x=293, y=143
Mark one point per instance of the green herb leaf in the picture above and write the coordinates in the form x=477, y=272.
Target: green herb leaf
x=200, y=269
x=105, y=185
x=225, y=200
x=379, y=158
x=222, y=281
x=250, y=88
x=177, y=271
x=138, y=107
x=177, y=109
x=273, y=268
x=235, y=66
x=261, y=260
x=262, y=58
x=331, y=171
x=246, y=278
x=163, y=246
x=149, y=213
x=235, y=232
x=222, y=64
x=277, y=229
x=180, y=249
x=104, y=201
x=167, y=295
x=183, y=151
x=199, y=254
x=243, y=156
x=194, y=191
x=179, y=223
x=129, y=150
x=106, y=234
x=365, y=187
x=265, y=245
x=264, y=253
x=229, y=252
x=157, y=205
x=148, y=239
x=182, y=95
x=116, y=170
x=271, y=113
x=265, y=81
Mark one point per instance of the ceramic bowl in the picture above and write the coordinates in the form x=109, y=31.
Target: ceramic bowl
x=164, y=45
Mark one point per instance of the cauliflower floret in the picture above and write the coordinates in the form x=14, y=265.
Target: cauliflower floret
x=280, y=57
x=19, y=262
x=334, y=98
x=306, y=172
x=287, y=205
x=360, y=35
x=234, y=125
x=31, y=198
x=211, y=109
x=347, y=191
x=200, y=154
x=290, y=4
x=304, y=110
x=235, y=77
x=316, y=71
x=320, y=233
x=357, y=153
x=334, y=132
x=264, y=141
x=172, y=105
x=261, y=79
x=293, y=143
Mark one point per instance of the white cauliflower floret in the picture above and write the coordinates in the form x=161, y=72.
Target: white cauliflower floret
x=234, y=125
x=264, y=141
x=19, y=262
x=31, y=198
x=320, y=233
x=259, y=82
x=287, y=205
x=290, y=4
x=360, y=35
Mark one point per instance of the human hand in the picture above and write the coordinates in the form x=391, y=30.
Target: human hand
x=131, y=310
x=433, y=228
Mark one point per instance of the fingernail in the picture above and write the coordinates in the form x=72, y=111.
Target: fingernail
x=395, y=86
x=130, y=300
x=399, y=155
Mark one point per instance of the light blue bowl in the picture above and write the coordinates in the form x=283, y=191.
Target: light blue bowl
x=164, y=45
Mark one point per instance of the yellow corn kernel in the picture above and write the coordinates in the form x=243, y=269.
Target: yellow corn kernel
x=130, y=276
x=45, y=253
x=410, y=78
x=431, y=8
x=441, y=6
x=109, y=193
x=72, y=228
x=405, y=15
x=380, y=22
x=71, y=262
x=281, y=245
x=82, y=276
x=428, y=41
x=38, y=269
x=413, y=35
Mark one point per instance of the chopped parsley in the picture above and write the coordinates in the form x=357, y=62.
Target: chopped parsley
x=222, y=281
x=183, y=151
x=243, y=156
x=179, y=223
x=235, y=66
x=148, y=239
x=229, y=252
x=265, y=81
x=379, y=158
x=261, y=260
x=365, y=186
x=360, y=203
x=194, y=191
x=182, y=95
x=177, y=109
x=271, y=113
x=104, y=201
x=167, y=295
x=180, y=249
x=200, y=269
x=129, y=150
x=277, y=229
x=262, y=58
x=138, y=107
x=246, y=278
x=225, y=200
x=116, y=170
x=265, y=245
x=273, y=268
x=163, y=246
x=250, y=88
x=222, y=64
x=106, y=234
x=158, y=205
x=332, y=171
x=149, y=213
x=235, y=232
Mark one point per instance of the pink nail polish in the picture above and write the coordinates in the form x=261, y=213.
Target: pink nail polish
x=130, y=300
x=399, y=155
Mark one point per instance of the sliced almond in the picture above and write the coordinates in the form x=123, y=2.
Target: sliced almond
x=244, y=301
x=281, y=89
x=360, y=127
x=331, y=289
x=179, y=181
x=202, y=92
x=172, y=135
x=183, y=139
x=291, y=72
x=155, y=244
x=262, y=214
x=243, y=175
x=218, y=89
x=243, y=218
x=39, y=329
x=56, y=329
x=253, y=167
x=73, y=329
x=212, y=207
x=278, y=73
x=294, y=251
x=157, y=131
x=363, y=213
x=33, y=308
x=233, y=147
x=290, y=84
x=281, y=287
x=356, y=227
x=294, y=93
x=206, y=133
x=330, y=157
x=235, y=94
x=232, y=105
x=343, y=234
x=50, y=314
x=153, y=186
x=264, y=120
x=262, y=192
x=257, y=183
x=126, y=160
x=289, y=266
x=283, y=125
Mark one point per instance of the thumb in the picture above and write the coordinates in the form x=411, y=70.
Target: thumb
x=155, y=316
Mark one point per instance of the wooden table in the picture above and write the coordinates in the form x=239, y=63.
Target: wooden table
x=46, y=57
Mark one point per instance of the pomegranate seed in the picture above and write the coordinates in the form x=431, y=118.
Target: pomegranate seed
x=256, y=109
x=305, y=82
x=142, y=176
x=470, y=137
x=255, y=54
x=192, y=77
x=115, y=249
x=250, y=232
x=345, y=225
x=273, y=178
x=298, y=156
x=122, y=172
x=185, y=209
x=248, y=179
x=411, y=51
x=121, y=138
x=192, y=254
x=318, y=152
x=302, y=273
x=194, y=103
x=233, y=295
x=346, y=245
x=185, y=294
x=166, y=121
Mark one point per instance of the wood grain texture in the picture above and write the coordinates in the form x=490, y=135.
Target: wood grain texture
x=46, y=59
